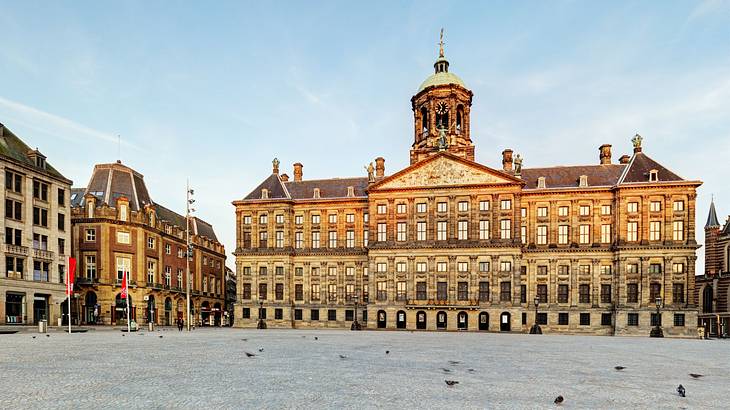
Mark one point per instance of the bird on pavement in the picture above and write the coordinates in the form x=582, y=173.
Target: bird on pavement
x=454, y=362
x=387, y=352
x=451, y=383
x=48, y=335
x=160, y=336
x=244, y=340
x=696, y=376
x=123, y=335
x=250, y=354
x=470, y=370
x=681, y=391
x=33, y=337
x=343, y=357
x=316, y=338
x=446, y=370
x=619, y=368
x=261, y=350
x=559, y=400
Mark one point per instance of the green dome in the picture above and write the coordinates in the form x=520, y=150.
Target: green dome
x=442, y=78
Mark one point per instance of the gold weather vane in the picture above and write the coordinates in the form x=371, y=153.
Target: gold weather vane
x=441, y=43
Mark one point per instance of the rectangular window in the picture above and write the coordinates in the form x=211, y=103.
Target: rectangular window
x=442, y=292
x=462, y=291
x=655, y=206
x=400, y=267
x=382, y=293
x=441, y=230
x=584, y=293
x=40, y=216
x=298, y=240
x=655, y=231
x=332, y=218
x=463, y=230
x=563, y=319
x=350, y=239
x=90, y=266
x=632, y=231
x=365, y=238
x=484, y=229
x=421, y=290
x=654, y=291
x=246, y=291
x=315, y=240
x=349, y=292
x=463, y=206
x=441, y=207
x=279, y=239
x=679, y=319
x=441, y=266
x=123, y=237
x=483, y=267
x=314, y=314
x=562, y=293
x=584, y=210
x=605, y=293
x=542, y=270
x=505, y=291
x=381, y=267
x=298, y=219
x=606, y=319
x=505, y=229
x=315, y=292
x=632, y=207
x=633, y=319
x=462, y=267
x=656, y=320
x=331, y=315
x=401, y=231
x=585, y=319
x=316, y=219
x=400, y=291
x=279, y=291
x=262, y=270
x=151, y=271
x=262, y=291
x=382, y=232
x=14, y=210
x=421, y=207
x=542, y=293
x=632, y=293
x=279, y=218
x=382, y=209
x=541, y=235
x=484, y=291
x=505, y=204
x=483, y=206
x=678, y=230
x=421, y=267
x=605, y=233
x=332, y=239
x=400, y=208
x=332, y=293
x=13, y=181
x=505, y=266
x=263, y=219
x=605, y=209
x=585, y=234
x=542, y=212
x=332, y=271
x=542, y=318
x=606, y=269
x=655, y=268
x=563, y=234
x=40, y=190
x=678, y=293
x=678, y=206
x=421, y=231
x=563, y=211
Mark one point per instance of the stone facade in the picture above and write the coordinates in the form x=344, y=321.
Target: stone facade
x=37, y=229
x=448, y=243
x=117, y=226
x=713, y=288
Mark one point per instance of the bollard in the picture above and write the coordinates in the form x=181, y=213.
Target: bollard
x=151, y=327
x=42, y=326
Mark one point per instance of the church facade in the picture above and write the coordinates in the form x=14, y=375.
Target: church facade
x=450, y=244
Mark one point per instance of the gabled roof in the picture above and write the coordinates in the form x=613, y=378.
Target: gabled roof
x=15, y=149
x=445, y=168
x=272, y=184
x=712, y=221
x=639, y=168
x=569, y=176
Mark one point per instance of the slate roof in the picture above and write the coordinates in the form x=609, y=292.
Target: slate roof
x=273, y=184
x=15, y=149
x=328, y=188
x=639, y=168
x=569, y=176
x=712, y=221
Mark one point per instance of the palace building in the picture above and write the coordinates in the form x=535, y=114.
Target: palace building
x=713, y=288
x=37, y=229
x=449, y=243
x=117, y=227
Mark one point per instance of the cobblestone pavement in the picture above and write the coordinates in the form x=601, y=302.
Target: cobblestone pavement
x=208, y=368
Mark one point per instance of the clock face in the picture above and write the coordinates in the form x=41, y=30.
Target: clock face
x=442, y=108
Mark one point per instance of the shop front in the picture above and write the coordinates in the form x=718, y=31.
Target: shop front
x=15, y=308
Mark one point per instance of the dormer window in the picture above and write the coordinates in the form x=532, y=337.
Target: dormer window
x=38, y=159
x=264, y=193
x=350, y=191
x=316, y=193
x=123, y=212
x=653, y=175
x=90, y=209
x=541, y=183
x=583, y=181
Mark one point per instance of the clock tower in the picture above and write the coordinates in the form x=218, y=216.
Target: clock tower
x=441, y=110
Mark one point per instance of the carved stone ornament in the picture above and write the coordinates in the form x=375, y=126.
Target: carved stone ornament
x=443, y=171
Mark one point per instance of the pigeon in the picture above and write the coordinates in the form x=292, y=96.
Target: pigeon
x=48, y=335
x=316, y=338
x=33, y=337
x=559, y=400
x=261, y=350
x=451, y=383
x=244, y=340
x=471, y=370
x=387, y=352
x=696, y=376
x=304, y=337
x=343, y=357
x=681, y=391
x=160, y=336
x=619, y=368
x=250, y=354
x=123, y=335
x=446, y=370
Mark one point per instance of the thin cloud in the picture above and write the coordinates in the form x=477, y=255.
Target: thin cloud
x=55, y=125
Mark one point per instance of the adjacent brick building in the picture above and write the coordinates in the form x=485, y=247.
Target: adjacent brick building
x=116, y=227
x=449, y=243
x=713, y=288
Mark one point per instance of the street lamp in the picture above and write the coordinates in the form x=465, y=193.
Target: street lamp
x=535, y=329
x=188, y=250
x=261, y=324
x=355, y=324
x=657, y=331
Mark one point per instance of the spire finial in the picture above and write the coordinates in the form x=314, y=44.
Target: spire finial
x=441, y=43
x=637, y=142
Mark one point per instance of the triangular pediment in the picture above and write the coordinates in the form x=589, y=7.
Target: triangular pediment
x=445, y=170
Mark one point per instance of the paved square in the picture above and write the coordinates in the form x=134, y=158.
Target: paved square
x=208, y=368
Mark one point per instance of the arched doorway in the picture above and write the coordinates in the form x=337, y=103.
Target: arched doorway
x=400, y=319
x=462, y=321
x=91, y=310
x=119, y=312
x=205, y=314
x=441, y=320
x=168, y=311
x=421, y=320
x=707, y=299
x=217, y=314
x=151, y=310
x=382, y=319
x=484, y=321
x=505, y=322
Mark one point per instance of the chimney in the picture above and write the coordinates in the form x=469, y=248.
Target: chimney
x=284, y=177
x=379, y=167
x=507, y=160
x=605, y=154
x=624, y=159
x=298, y=172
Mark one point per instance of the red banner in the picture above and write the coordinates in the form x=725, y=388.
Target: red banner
x=124, y=284
x=70, y=276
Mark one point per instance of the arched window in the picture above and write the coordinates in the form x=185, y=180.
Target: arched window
x=424, y=121
x=707, y=299
x=459, y=118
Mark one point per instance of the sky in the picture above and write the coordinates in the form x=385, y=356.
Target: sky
x=213, y=91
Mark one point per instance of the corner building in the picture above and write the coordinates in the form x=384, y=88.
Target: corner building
x=448, y=243
x=117, y=227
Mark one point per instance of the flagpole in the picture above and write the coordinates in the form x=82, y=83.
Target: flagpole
x=126, y=279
